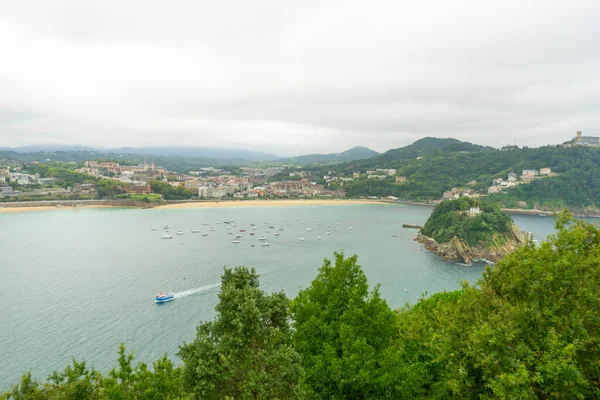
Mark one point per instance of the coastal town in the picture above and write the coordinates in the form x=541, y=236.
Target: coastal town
x=106, y=178
x=216, y=183
x=205, y=183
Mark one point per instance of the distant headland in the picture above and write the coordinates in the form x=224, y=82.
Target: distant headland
x=465, y=230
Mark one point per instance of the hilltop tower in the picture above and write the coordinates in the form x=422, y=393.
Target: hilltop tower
x=578, y=138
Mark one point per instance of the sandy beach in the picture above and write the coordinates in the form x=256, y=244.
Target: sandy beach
x=14, y=208
x=265, y=203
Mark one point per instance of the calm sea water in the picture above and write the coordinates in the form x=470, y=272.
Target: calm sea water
x=77, y=283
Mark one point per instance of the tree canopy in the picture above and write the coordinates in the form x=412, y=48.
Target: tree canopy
x=246, y=352
x=343, y=333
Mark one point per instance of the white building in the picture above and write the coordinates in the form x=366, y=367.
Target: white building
x=530, y=172
x=474, y=211
x=23, y=179
x=214, y=193
x=7, y=191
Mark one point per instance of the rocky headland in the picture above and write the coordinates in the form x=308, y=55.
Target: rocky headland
x=463, y=230
x=458, y=250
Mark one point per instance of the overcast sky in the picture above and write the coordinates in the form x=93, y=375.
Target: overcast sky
x=296, y=77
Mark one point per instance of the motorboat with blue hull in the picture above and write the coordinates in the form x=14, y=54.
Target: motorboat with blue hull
x=164, y=297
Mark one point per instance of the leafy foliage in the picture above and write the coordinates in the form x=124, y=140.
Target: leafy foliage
x=450, y=219
x=344, y=334
x=78, y=382
x=171, y=192
x=246, y=352
x=110, y=188
x=64, y=172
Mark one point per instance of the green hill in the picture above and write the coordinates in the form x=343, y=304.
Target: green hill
x=450, y=219
x=576, y=185
x=355, y=153
x=423, y=147
x=460, y=230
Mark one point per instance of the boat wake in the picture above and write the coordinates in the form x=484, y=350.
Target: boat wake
x=200, y=289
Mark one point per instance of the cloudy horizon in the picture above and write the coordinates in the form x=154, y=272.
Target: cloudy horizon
x=294, y=79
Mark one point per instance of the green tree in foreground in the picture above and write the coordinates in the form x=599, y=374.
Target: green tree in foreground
x=78, y=382
x=345, y=334
x=530, y=328
x=246, y=352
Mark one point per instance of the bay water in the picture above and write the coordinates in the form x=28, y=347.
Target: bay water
x=75, y=283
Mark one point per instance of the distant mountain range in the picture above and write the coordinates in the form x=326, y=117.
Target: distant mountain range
x=220, y=154
x=355, y=153
x=199, y=152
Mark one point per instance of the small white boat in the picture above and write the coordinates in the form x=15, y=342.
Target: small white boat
x=280, y=228
x=349, y=228
x=276, y=234
x=205, y=223
x=179, y=233
x=267, y=230
x=238, y=236
x=252, y=245
x=164, y=297
x=230, y=233
x=319, y=237
x=166, y=227
x=262, y=238
x=265, y=244
x=195, y=231
x=308, y=230
x=205, y=234
x=235, y=241
x=152, y=229
x=328, y=233
x=212, y=229
x=167, y=237
x=302, y=239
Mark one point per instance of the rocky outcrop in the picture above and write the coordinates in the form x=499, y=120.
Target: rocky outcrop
x=459, y=250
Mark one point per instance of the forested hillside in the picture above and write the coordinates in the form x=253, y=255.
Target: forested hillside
x=450, y=219
x=355, y=153
x=529, y=329
x=577, y=185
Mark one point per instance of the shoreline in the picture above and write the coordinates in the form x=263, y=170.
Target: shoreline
x=57, y=205
x=262, y=203
x=76, y=205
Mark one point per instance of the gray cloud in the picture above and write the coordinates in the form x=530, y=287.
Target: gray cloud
x=313, y=76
